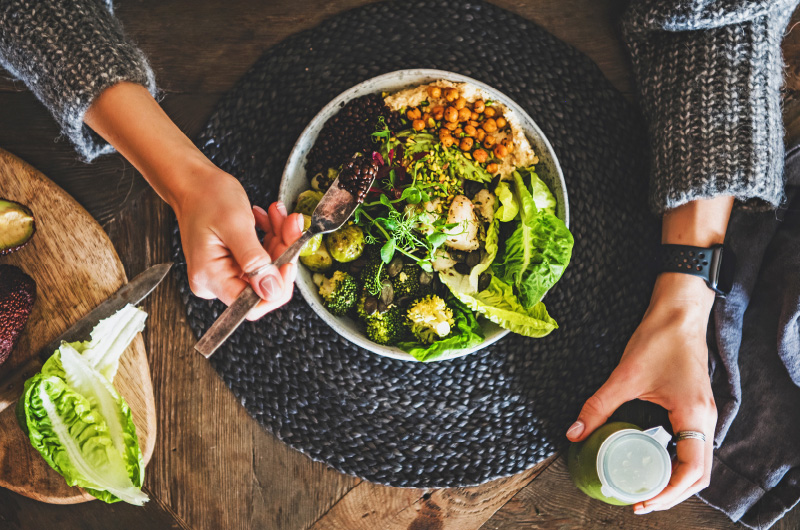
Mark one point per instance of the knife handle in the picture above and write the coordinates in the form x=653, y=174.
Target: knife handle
x=11, y=385
x=234, y=315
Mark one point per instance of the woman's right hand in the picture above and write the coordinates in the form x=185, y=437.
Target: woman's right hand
x=217, y=226
x=666, y=362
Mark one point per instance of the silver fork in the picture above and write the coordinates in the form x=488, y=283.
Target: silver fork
x=335, y=208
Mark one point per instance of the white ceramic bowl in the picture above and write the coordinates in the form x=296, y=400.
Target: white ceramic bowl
x=295, y=180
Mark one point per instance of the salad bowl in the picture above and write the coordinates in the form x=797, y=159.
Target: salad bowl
x=295, y=180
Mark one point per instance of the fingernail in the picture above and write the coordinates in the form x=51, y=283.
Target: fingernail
x=292, y=272
x=281, y=207
x=575, y=430
x=260, y=210
x=270, y=286
x=301, y=222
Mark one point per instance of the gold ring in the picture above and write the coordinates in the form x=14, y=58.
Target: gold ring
x=690, y=435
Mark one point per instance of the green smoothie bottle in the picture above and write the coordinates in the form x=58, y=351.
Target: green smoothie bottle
x=621, y=464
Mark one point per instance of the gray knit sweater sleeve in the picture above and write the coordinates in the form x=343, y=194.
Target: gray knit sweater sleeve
x=709, y=74
x=67, y=52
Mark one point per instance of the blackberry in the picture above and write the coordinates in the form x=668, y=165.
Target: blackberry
x=349, y=132
x=357, y=175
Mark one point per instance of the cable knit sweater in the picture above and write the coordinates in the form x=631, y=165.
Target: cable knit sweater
x=67, y=52
x=709, y=74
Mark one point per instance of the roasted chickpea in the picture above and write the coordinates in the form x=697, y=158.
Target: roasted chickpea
x=489, y=125
x=479, y=106
x=480, y=155
x=492, y=168
x=437, y=112
x=451, y=94
x=489, y=112
x=480, y=135
x=469, y=130
x=418, y=125
x=474, y=116
x=450, y=125
x=434, y=92
x=414, y=114
x=474, y=123
x=463, y=114
x=508, y=144
x=443, y=132
x=459, y=132
x=501, y=122
x=489, y=141
x=466, y=144
x=451, y=114
x=460, y=103
x=500, y=151
x=447, y=141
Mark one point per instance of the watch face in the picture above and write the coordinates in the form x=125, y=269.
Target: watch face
x=726, y=269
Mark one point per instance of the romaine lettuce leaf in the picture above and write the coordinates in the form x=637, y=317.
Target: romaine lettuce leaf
x=542, y=197
x=491, y=246
x=78, y=422
x=466, y=334
x=498, y=304
x=74, y=439
x=509, y=207
x=537, y=252
x=110, y=339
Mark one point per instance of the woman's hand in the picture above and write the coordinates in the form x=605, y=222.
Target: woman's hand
x=666, y=362
x=216, y=221
x=220, y=243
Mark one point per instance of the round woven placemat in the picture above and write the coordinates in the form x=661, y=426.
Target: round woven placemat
x=486, y=415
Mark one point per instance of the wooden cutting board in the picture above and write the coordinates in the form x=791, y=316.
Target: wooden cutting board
x=75, y=268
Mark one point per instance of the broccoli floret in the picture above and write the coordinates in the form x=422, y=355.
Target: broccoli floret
x=374, y=272
x=406, y=283
x=386, y=327
x=430, y=319
x=339, y=292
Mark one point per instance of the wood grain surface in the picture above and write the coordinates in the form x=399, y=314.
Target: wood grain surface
x=213, y=466
x=75, y=268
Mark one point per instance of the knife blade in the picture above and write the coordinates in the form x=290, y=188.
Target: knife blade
x=132, y=292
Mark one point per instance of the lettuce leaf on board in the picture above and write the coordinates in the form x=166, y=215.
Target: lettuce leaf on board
x=498, y=304
x=537, y=252
x=466, y=333
x=78, y=422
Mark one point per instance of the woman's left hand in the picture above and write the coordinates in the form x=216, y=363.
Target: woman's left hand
x=666, y=362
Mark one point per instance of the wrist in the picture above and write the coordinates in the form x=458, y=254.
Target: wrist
x=684, y=294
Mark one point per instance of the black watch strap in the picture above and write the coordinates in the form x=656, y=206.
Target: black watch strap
x=706, y=263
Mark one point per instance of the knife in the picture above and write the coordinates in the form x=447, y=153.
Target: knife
x=131, y=293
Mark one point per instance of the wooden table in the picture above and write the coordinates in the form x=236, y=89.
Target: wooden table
x=214, y=467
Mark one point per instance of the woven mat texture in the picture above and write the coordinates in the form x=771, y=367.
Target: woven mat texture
x=486, y=415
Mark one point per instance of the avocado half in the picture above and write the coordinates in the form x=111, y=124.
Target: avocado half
x=17, y=226
x=17, y=296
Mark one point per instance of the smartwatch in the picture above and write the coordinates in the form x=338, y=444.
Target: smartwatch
x=715, y=265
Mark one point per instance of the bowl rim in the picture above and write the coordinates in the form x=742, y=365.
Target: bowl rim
x=421, y=74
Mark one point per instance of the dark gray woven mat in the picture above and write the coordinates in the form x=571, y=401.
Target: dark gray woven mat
x=493, y=413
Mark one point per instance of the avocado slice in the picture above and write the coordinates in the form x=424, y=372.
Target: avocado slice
x=17, y=295
x=17, y=226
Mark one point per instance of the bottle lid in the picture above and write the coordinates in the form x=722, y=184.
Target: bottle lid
x=634, y=465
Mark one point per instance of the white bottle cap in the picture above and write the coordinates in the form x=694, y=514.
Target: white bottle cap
x=633, y=465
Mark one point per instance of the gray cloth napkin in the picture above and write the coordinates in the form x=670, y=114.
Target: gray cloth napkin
x=754, y=353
